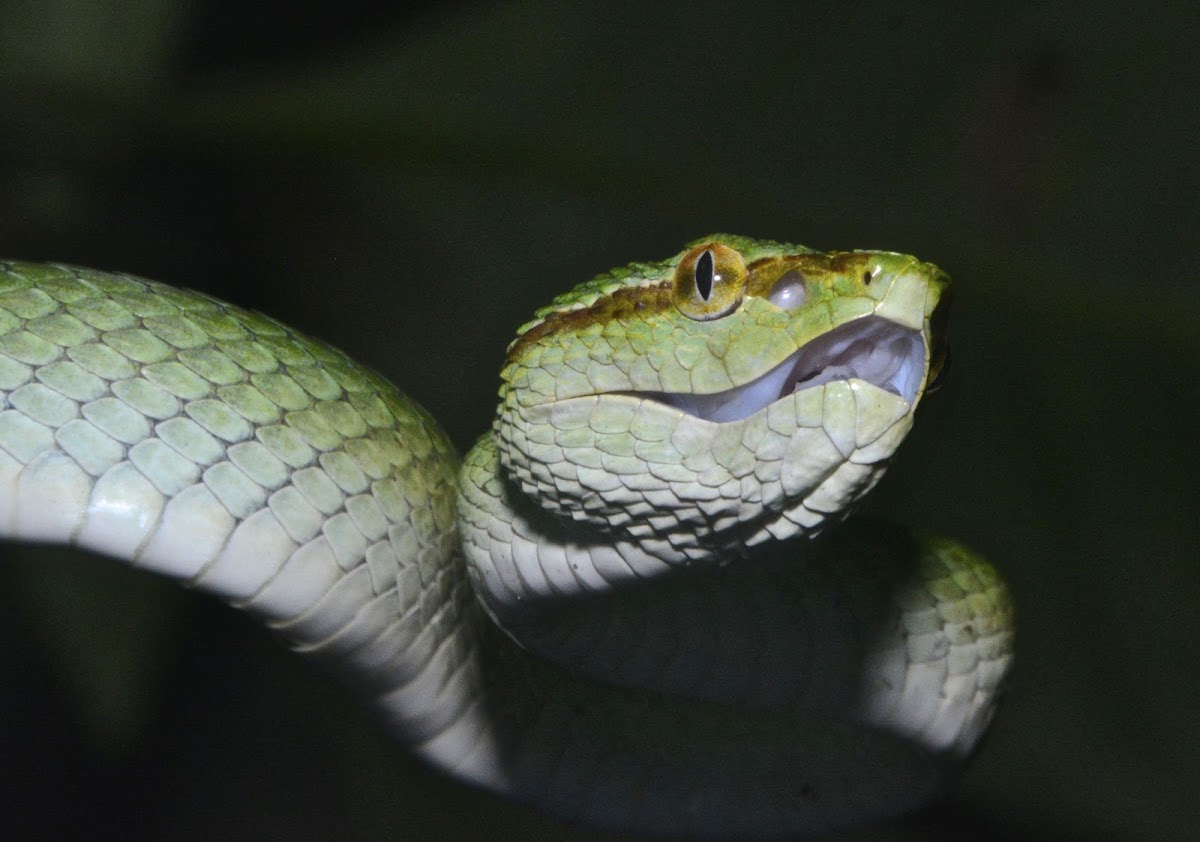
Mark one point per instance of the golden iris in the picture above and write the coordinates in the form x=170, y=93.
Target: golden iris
x=710, y=281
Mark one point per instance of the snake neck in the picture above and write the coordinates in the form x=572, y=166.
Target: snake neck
x=813, y=625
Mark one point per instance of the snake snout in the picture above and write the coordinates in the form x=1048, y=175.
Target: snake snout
x=875, y=350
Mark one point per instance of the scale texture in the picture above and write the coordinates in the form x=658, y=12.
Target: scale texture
x=619, y=608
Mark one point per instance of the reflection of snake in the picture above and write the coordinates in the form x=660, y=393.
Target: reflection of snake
x=669, y=436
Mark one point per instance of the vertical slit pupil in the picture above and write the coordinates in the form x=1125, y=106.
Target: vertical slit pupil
x=704, y=275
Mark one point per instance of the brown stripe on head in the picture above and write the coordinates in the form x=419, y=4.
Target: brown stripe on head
x=766, y=271
x=621, y=304
x=648, y=299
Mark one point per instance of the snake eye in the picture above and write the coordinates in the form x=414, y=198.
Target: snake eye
x=710, y=281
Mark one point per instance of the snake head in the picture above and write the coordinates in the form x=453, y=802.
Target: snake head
x=740, y=391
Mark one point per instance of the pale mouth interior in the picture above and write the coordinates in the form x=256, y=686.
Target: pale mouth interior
x=872, y=349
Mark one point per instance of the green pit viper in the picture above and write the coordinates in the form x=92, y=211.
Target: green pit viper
x=617, y=606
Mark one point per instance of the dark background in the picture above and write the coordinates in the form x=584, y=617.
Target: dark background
x=412, y=184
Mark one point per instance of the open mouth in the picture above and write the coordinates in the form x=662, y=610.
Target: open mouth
x=873, y=349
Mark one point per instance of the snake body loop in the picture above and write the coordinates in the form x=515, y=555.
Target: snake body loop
x=632, y=604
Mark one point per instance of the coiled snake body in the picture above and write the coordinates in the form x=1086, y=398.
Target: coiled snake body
x=617, y=608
